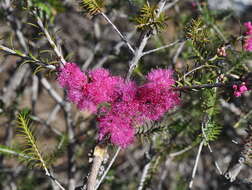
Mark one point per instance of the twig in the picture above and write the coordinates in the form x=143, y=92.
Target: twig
x=52, y=114
x=160, y=48
x=26, y=57
x=43, y=122
x=52, y=92
x=164, y=173
x=232, y=107
x=203, y=126
x=214, y=85
x=13, y=152
x=215, y=162
x=139, y=51
x=138, y=54
x=49, y=38
x=120, y=34
x=70, y=148
x=196, y=164
x=144, y=176
x=133, y=63
x=35, y=84
x=174, y=154
x=108, y=168
x=118, y=46
x=195, y=69
x=15, y=81
x=244, y=118
x=14, y=22
x=7, y=7
x=170, y=5
x=179, y=50
x=48, y=173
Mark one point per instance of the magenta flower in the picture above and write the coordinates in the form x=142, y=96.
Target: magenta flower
x=125, y=91
x=156, y=99
x=126, y=104
x=118, y=128
x=75, y=95
x=239, y=90
x=70, y=76
x=161, y=76
x=102, y=86
x=248, y=38
x=120, y=119
x=248, y=44
x=248, y=26
x=156, y=96
x=74, y=81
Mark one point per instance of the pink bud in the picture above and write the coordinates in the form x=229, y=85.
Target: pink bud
x=239, y=90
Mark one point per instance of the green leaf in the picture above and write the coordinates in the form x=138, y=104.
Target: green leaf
x=12, y=152
x=93, y=7
x=30, y=144
x=149, y=20
x=212, y=131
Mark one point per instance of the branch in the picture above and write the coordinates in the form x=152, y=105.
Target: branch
x=203, y=126
x=174, y=154
x=195, y=69
x=55, y=180
x=170, y=5
x=99, y=153
x=244, y=118
x=139, y=52
x=33, y=150
x=15, y=23
x=26, y=57
x=120, y=34
x=108, y=168
x=49, y=38
x=7, y=150
x=144, y=176
x=71, y=147
x=196, y=164
x=46, y=124
x=214, y=85
x=163, y=47
x=52, y=92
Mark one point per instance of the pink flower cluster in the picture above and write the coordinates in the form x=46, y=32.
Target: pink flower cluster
x=122, y=104
x=239, y=90
x=248, y=38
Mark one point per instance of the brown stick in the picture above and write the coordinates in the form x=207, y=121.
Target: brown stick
x=99, y=154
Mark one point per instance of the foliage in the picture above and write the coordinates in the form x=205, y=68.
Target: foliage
x=12, y=152
x=30, y=143
x=203, y=43
x=93, y=7
x=212, y=131
x=48, y=8
x=149, y=19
